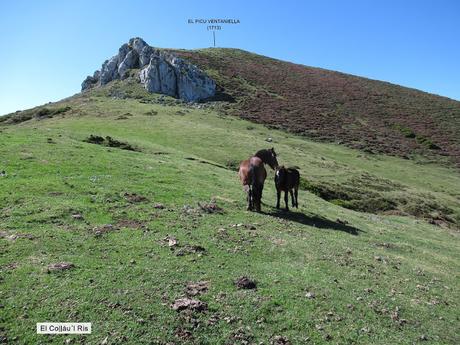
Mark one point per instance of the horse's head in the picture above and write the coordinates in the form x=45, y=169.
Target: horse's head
x=271, y=160
x=268, y=157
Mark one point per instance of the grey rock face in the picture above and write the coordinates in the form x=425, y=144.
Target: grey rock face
x=124, y=49
x=161, y=72
x=131, y=60
x=109, y=70
x=159, y=77
x=91, y=81
x=145, y=54
x=137, y=44
x=193, y=84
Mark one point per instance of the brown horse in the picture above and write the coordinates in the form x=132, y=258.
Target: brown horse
x=252, y=174
x=287, y=180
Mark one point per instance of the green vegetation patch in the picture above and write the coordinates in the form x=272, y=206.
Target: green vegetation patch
x=37, y=113
x=109, y=142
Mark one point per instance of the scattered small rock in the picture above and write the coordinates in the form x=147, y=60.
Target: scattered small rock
x=245, y=283
x=77, y=216
x=159, y=206
x=310, y=295
x=172, y=241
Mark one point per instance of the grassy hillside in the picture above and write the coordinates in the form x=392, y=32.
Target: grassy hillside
x=139, y=225
x=366, y=114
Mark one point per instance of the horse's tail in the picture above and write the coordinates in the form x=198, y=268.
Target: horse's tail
x=255, y=187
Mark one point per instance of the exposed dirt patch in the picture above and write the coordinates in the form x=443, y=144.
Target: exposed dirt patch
x=99, y=231
x=245, y=283
x=280, y=340
x=131, y=223
x=190, y=249
x=189, y=304
x=198, y=288
x=135, y=198
x=211, y=207
x=9, y=267
x=240, y=336
x=60, y=266
x=13, y=237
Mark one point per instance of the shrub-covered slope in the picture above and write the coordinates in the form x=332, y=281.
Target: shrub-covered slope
x=366, y=114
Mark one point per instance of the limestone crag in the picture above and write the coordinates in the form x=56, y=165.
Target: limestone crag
x=160, y=72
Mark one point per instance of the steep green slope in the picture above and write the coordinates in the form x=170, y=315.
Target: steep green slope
x=324, y=273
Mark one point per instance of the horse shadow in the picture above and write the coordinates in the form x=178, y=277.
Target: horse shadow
x=314, y=221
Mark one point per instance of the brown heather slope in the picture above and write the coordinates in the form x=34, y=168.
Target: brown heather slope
x=367, y=114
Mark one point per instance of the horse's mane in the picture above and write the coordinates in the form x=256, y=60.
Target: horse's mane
x=263, y=154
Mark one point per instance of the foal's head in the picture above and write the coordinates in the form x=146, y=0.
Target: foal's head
x=268, y=157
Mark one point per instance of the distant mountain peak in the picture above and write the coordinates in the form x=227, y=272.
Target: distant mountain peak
x=160, y=72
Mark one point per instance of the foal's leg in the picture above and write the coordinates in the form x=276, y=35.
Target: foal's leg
x=286, y=200
x=296, y=193
x=291, y=191
x=278, y=196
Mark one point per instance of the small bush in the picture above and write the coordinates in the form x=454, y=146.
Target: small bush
x=427, y=143
x=109, y=142
x=232, y=164
x=151, y=113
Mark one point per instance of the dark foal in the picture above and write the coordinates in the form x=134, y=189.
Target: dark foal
x=287, y=180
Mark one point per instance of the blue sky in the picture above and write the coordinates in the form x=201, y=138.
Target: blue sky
x=49, y=47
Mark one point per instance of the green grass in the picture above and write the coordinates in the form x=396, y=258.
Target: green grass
x=377, y=278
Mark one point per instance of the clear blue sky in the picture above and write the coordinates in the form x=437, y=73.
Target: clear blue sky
x=49, y=47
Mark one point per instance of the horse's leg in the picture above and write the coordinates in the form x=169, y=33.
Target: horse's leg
x=278, y=197
x=258, y=198
x=291, y=191
x=296, y=193
x=250, y=199
x=286, y=200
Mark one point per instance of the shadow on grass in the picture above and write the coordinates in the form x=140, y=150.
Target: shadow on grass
x=312, y=220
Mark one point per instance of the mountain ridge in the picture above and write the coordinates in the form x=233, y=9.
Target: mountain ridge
x=332, y=106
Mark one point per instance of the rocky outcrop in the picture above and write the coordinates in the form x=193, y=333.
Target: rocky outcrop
x=160, y=72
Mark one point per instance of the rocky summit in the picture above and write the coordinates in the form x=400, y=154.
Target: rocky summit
x=160, y=72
